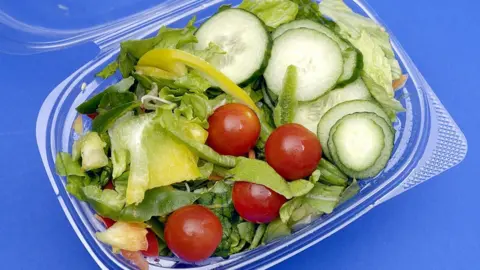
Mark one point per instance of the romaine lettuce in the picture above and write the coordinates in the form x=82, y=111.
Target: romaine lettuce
x=272, y=12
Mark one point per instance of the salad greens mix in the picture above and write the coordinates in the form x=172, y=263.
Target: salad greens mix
x=275, y=74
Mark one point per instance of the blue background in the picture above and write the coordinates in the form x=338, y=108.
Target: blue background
x=433, y=226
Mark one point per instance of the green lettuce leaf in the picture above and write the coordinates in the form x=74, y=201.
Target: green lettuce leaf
x=324, y=198
x=132, y=50
x=275, y=229
x=308, y=9
x=272, y=12
x=246, y=231
x=156, y=158
x=108, y=71
x=195, y=108
x=300, y=187
x=194, y=82
x=66, y=166
x=350, y=191
x=219, y=200
x=107, y=203
x=91, y=105
x=380, y=66
x=91, y=149
x=74, y=186
x=111, y=100
x=259, y=172
x=157, y=202
x=257, y=238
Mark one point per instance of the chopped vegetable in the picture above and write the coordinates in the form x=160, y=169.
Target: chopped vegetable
x=183, y=158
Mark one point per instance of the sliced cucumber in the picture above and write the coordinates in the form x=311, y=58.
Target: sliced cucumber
x=361, y=144
x=330, y=118
x=352, y=59
x=358, y=141
x=313, y=26
x=309, y=113
x=244, y=38
x=352, y=65
x=317, y=57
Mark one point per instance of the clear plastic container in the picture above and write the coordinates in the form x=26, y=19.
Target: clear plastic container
x=428, y=141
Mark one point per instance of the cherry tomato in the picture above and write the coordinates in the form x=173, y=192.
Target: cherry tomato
x=107, y=222
x=256, y=203
x=293, y=151
x=193, y=233
x=233, y=129
x=152, y=249
x=109, y=185
x=92, y=115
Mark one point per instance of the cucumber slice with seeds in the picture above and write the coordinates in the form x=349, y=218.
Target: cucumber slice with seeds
x=336, y=113
x=244, y=38
x=353, y=60
x=361, y=144
x=309, y=114
x=317, y=57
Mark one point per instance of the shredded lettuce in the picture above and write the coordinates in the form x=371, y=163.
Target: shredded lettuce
x=272, y=12
x=380, y=66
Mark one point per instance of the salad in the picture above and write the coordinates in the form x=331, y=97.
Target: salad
x=230, y=135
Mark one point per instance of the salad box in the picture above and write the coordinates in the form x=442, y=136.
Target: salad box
x=427, y=141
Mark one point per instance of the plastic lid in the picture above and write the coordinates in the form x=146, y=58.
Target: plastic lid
x=32, y=26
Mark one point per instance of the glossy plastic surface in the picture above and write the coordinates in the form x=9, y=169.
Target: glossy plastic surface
x=428, y=141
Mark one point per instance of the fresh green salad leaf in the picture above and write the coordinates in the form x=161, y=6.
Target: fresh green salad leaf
x=108, y=71
x=107, y=203
x=308, y=9
x=324, y=198
x=174, y=127
x=259, y=172
x=74, y=186
x=300, y=187
x=132, y=50
x=380, y=66
x=246, y=231
x=195, y=108
x=266, y=126
x=193, y=81
x=287, y=102
x=275, y=229
x=66, y=166
x=257, y=238
x=272, y=12
x=157, y=202
x=219, y=199
x=91, y=105
x=350, y=191
x=158, y=228
x=104, y=121
x=156, y=158
x=112, y=100
x=90, y=148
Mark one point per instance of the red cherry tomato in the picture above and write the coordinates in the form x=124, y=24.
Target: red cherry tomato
x=193, y=233
x=109, y=185
x=233, y=129
x=92, y=115
x=293, y=151
x=256, y=203
x=152, y=249
x=106, y=221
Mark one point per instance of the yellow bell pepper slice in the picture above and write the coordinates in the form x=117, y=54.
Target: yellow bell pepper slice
x=169, y=59
x=155, y=72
